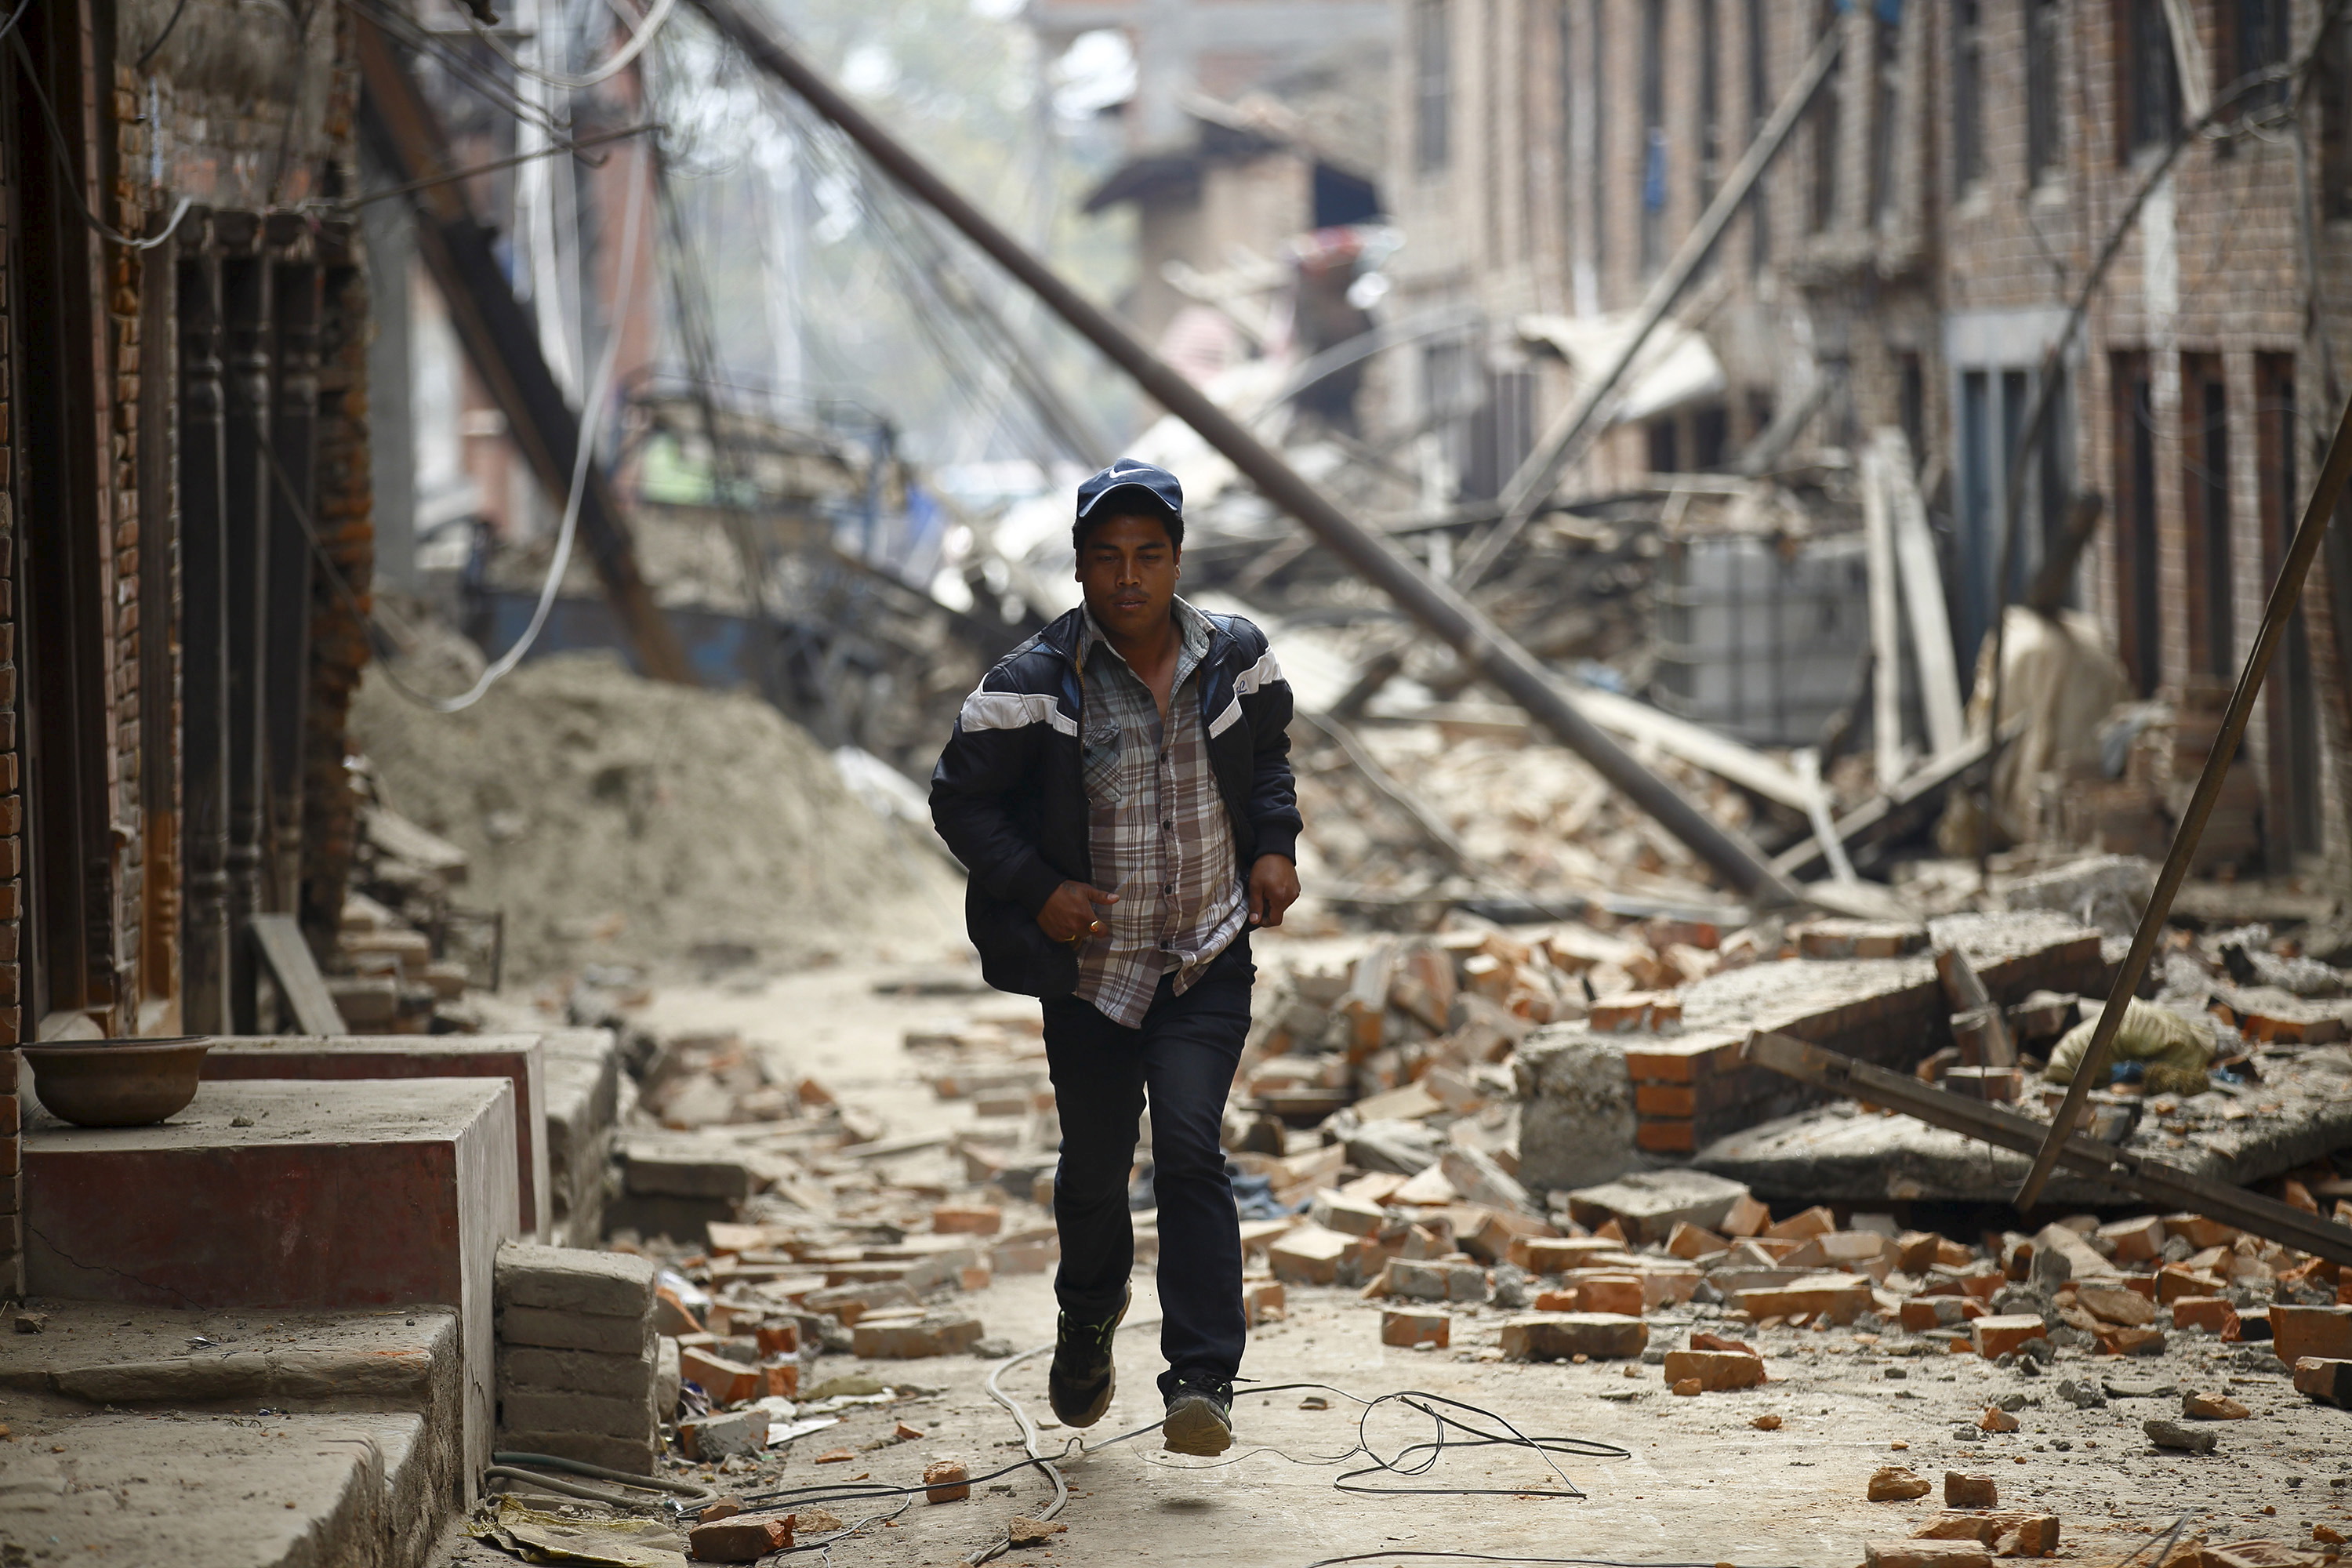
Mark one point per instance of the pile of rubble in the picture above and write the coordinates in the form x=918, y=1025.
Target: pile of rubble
x=613, y=817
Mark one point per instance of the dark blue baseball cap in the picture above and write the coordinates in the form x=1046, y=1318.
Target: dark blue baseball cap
x=1129, y=483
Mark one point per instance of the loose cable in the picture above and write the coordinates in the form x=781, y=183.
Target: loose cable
x=639, y=36
x=591, y=409
x=65, y=164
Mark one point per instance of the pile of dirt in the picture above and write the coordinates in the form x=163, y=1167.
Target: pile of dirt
x=613, y=817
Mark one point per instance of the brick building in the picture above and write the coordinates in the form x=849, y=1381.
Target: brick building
x=184, y=377
x=1907, y=261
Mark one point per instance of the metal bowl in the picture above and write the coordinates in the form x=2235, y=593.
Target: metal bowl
x=117, y=1083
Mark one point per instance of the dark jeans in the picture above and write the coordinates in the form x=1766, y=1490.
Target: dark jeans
x=1184, y=1055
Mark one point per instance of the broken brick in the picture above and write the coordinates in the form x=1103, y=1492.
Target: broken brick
x=1892, y=1483
x=739, y=1539
x=1557, y=1253
x=1263, y=1301
x=2212, y=1313
x=2011, y=1533
x=779, y=1378
x=1021, y=1531
x=2114, y=1304
x=2324, y=1378
x=1337, y=1211
x=1687, y=1241
x=1803, y=1225
x=1915, y=1251
x=1411, y=1330
x=1618, y=1293
x=910, y=1339
x=975, y=1219
x=1996, y=1419
x=778, y=1339
x=1964, y=1491
x=1840, y=1298
x=1309, y=1256
x=946, y=1482
x=2173, y=1282
x=1689, y=1388
x=1926, y=1554
x=1716, y=1371
x=726, y=1382
x=2322, y=1332
x=2136, y=1240
x=2212, y=1407
x=1998, y=1336
x=1556, y=1336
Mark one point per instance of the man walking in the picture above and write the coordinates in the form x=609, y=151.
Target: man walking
x=1119, y=790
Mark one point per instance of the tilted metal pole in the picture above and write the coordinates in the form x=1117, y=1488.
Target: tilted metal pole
x=1441, y=609
x=2284, y=594
x=2006, y=1129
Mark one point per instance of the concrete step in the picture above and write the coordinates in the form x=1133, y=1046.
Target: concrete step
x=214, y=1491
x=397, y=1374
x=267, y=1197
x=518, y=1058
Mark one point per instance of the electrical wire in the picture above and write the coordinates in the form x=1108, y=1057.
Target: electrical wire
x=468, y=173
x=24, y=5
x=639, y=37
x=1413, y=1460
x=592, y=410
x=149, y=52
x=65, y=164
x=488, y=88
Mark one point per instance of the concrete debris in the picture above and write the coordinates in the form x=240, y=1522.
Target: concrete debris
x=2173, y=1435
x=1023, y=1532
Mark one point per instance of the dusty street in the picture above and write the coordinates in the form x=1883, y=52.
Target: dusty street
x=1697, y=1480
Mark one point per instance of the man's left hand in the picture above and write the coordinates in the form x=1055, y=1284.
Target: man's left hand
x=1273, y=889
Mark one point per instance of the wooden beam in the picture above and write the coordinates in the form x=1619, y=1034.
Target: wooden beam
x=1923, y=595
x=1885, y=621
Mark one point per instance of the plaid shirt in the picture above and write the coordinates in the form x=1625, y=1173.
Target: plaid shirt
x=1156, y=827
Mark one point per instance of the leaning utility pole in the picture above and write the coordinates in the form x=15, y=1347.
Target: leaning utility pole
x=500, y=340
x=1480, y=644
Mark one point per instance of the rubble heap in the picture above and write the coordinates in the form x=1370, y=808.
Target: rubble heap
x=606, y=814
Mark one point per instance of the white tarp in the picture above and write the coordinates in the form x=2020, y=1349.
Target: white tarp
x=1675, y=368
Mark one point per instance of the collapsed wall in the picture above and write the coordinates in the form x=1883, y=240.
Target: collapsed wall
x=613, y=817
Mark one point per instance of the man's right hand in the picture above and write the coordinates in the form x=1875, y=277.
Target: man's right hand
x=1069, y=915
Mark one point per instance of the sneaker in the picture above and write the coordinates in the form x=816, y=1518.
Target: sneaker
x=1200, y=1416
x=1083, y=1377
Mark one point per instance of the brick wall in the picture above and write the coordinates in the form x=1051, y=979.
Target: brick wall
x=12, y=811
x=1945, y=276
x=338, y=590
x=126, y=283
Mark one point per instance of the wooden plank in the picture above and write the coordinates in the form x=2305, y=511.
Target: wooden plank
x=1885, y=621
x=1923, y=595
x=1967, y=993
x=2151, y=1179
x=1719, y=754
x=296, y=973
x=1936, y=774
x=1816, y=807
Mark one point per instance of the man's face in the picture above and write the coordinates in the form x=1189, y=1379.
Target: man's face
x=1127, y=570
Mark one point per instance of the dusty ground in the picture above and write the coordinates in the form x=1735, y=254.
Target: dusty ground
x=1697, y=1481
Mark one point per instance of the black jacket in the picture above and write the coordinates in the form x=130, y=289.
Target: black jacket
x=1009, y=798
